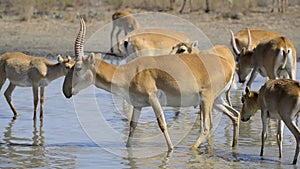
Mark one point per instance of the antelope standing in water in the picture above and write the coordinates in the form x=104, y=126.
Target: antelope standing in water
x=273, y=58
x=220, y=50
x=185, y=80
x=29, y=71
x=241, y=39
x=278, y=99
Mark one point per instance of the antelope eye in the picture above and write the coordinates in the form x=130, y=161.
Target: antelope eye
x=77, y=68
x=181, y=50
x=67, y=65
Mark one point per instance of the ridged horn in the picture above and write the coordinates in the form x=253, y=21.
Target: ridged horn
x=249, y=40
x=233, y=43
x=79, y=42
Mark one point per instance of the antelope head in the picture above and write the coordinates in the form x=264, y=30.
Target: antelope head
x=67, y=63
x=184, y=48
x=250, y=104
x=243, y=58
x=81, y=74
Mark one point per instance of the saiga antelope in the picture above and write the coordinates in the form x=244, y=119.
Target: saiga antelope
x=257, y=36
x=281, y=5
x=28, y=71
x=184, y=80
x=220, y=50
x=125, y=21
x=153, y=42
x=272, y=58
x=277, y=99
x=183, y=47
x=207, y=9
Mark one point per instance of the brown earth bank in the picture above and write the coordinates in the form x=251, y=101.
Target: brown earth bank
x=54, y=32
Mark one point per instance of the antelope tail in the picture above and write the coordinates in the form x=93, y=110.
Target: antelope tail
x=285, y=55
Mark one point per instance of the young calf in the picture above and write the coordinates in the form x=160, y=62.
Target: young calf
x=28, y=71
x=277, y=99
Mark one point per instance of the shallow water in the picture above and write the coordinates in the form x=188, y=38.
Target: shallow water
x=74, y=135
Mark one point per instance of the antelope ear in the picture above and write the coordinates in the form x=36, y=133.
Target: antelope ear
x=91, y=58
x=243, y=50
x=69, y=58
x=194, y=44
x=60, y=59
x=247, y=90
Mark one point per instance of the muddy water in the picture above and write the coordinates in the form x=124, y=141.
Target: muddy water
x=73, y=135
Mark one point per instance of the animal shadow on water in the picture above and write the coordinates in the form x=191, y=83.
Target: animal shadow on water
x=256, y=159
x=238, y=156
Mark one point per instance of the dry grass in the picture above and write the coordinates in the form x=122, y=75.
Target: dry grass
x=36, y=8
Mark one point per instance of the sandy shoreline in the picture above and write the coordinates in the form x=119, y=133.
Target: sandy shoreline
x=49, y=37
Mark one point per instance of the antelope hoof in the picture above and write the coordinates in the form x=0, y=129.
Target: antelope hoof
x=15, y=117
x=193, y=147
x=170, y=148
x=295, y=162
x=128, y=144
x=242, y=81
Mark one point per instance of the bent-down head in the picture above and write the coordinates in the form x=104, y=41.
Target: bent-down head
x=80, y=76
x=250, y=104
x=184, y=47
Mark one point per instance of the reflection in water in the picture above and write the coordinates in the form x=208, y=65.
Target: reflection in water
x=161, y=160
x=37, y=138
x=22, y=151
x=30, y=151
x=61, y=143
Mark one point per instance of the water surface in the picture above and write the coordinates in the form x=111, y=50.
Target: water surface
x=74, y=135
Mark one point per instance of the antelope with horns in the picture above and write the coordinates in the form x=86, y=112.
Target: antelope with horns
x=257, y=36
x=278, y=99
x=154, y=42
x=125, y=21
x=272, y=58
x=28, y=71
x=184, y=80
x=220, y=50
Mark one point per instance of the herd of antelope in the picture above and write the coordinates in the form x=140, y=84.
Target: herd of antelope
x=177, y=69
